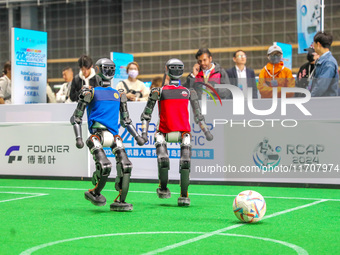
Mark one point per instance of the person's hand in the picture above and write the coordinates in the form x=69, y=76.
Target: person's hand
x=131, y=96
x=196, y=69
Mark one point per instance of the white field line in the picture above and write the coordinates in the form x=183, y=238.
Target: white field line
x=31, y=195
x=175, y=193
x=299, y=250
x=216, y=232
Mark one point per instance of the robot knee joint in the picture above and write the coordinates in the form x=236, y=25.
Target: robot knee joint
x=127, y=168
x=185, y=164
x=104, y=168
x=163, y=161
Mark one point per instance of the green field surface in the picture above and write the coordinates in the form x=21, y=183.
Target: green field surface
x=53, y=217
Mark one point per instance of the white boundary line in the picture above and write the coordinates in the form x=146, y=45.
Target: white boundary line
x=216, y=232
x=21, y=193
x=175, y=193
x=298, y=249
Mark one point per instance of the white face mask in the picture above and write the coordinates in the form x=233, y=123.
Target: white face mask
x=133, y=73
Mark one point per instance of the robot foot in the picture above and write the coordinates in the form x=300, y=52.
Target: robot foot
x=97, y=200
x=183, y=201
x=121, y=207
x=163, y=193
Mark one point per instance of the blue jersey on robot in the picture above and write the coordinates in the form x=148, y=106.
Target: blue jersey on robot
x=104, y=108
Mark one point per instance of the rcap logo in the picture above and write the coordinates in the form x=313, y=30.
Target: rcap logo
x=264, y=156
x=12, y=158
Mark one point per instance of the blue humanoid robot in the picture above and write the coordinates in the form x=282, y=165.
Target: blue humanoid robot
x=104, y=105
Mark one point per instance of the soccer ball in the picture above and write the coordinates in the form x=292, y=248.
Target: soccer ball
x=249, y=206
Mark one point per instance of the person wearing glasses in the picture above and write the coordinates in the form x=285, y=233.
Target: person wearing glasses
x=242, y=76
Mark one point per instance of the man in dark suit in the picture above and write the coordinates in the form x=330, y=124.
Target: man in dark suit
x=242, y=76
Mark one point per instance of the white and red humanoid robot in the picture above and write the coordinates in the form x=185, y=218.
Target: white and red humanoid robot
x=173, y=127
x=104, y=105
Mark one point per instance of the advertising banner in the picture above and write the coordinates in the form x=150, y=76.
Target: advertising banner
x=287, y=57
x=286, y=144
x=121, y=60
x=29, y=66
x=41, y=149
x=255, y=140
x=308, y=22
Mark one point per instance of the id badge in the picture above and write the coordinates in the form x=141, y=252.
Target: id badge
x=274, y=83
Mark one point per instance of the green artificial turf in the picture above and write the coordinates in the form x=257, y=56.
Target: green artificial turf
x=63, y=214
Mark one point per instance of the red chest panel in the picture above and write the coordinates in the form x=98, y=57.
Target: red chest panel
x=173, y=109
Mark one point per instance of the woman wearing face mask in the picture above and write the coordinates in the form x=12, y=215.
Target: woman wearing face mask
x=135, y=89
x=275, y=74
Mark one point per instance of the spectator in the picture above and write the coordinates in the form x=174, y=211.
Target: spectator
x=156, y=82
x=63, y=95
x=205, y=71
x=303, y=77
x=326, y=76
x=242, y=76
x=5, y=85
x=135, y=89
x=275, y=74
x=50, y=96
x=86, y=77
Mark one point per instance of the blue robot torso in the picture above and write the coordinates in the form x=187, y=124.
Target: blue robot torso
x=104, y=108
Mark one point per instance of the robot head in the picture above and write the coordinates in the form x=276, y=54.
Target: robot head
x=105, y=69
x=174, y=68
x=265, y=139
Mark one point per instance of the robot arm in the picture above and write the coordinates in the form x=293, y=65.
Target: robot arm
x=125, y=120
x=146, y=115
x=198, y=117
x=85, y=97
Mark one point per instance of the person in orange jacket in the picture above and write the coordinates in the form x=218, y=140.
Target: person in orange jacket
x=275, y=74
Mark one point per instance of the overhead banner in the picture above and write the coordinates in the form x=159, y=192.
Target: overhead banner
x=29, y=66
x=121, y=60
x=287, y=57
x=308, y=22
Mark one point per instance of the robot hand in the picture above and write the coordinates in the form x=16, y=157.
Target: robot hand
x=140, y=140
x=208, y=136
x=145, y=136
x=79, y=142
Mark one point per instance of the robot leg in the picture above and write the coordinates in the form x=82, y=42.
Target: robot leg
x=124, y=167
x=103, y=169
x=184, y=169
x=163, y=166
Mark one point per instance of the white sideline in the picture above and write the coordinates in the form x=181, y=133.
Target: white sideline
x=31, y=195
x=176, y=193
x=192, y=240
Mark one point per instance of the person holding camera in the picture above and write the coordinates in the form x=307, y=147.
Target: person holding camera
x=135, y=89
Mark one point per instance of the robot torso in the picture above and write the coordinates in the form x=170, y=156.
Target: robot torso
x=104, y=109
x=173, y=109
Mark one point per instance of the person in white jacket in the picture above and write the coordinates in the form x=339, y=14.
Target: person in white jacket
x=5, y=85
x=63, y=95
